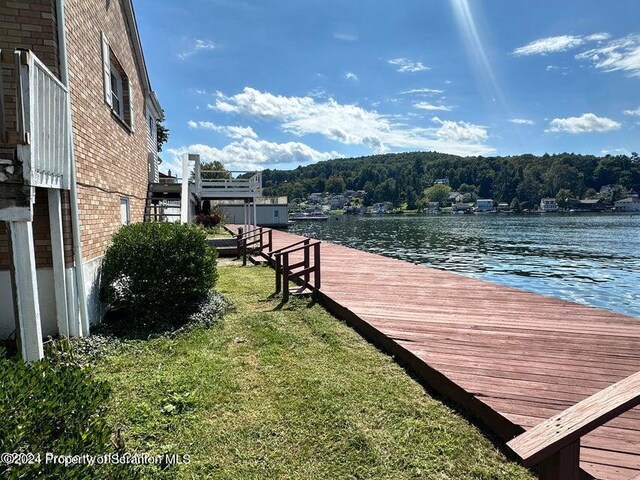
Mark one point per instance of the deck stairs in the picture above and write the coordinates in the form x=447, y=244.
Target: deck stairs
x=163, y=202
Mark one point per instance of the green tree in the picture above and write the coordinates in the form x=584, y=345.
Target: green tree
x=162, y=133
x=466, y=188
x=411, y=199
x=335, y=184
x=515, y=205
x=214, y=170
x=437, y=193
x=563, y=196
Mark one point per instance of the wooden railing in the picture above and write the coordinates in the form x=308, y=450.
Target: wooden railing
x=254, y=241
x=299, y=272
x=554, y=445
x=43, y=123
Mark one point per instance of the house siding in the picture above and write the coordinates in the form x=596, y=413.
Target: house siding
x=111, y=160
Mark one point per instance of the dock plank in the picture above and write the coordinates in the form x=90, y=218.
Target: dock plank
x=510, y=357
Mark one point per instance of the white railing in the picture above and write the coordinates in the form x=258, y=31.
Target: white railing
x=43, y=124
x=236, y=182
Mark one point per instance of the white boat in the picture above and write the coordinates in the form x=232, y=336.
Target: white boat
x=310, y=216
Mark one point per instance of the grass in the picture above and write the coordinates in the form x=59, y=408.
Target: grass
x=287, y=393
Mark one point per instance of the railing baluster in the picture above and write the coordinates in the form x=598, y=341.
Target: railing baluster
x=316, y=262
x=285, y=277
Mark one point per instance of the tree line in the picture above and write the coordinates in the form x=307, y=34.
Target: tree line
x=403, y=177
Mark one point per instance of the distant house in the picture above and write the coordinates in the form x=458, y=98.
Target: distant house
x=454, y=197
x=270, y=211
x=503, y=207
x=337, y=202
x=441, y=181
x=349, y=193
x=629, y=204
x=462, y=208
x=382, y=207
x=360, y=194
x=548, y=205
x=315, y=197
x=433, y=208
x=592, y=205
x=484, y=205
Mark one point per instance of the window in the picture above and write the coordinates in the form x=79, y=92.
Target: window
x=276, y=214
x=124, y=210
x=152, y=125
x=118, y=91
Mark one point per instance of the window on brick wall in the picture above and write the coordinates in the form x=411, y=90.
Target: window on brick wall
x=124, y=210
x=118, y=89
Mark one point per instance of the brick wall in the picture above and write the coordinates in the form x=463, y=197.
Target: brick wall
x=27, y=24
x=111, y=160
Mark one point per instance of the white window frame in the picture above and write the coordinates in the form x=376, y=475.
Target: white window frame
x=125, y=217
x=117, y=90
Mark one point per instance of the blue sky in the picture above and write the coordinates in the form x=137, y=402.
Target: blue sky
x=280, y=83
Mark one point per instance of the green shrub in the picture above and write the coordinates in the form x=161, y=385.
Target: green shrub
x=155, y=270
x=208, y=221
x=57, y=409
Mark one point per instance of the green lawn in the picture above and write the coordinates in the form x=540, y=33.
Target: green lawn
x=287, y=393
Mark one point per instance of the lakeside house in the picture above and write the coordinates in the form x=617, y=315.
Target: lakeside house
x=484, y=205
x=270, y=212
x=592, y=205
x=548, y=205
x=63, y=196
x=629, y=204
x=462, y=208
x=433, y=208
x=382, y=207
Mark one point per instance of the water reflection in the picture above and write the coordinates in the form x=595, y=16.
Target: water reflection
x=589, y=259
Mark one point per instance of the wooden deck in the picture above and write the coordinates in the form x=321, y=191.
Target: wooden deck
x=510, y=357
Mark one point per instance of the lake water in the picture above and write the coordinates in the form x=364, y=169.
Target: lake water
x=588, y=259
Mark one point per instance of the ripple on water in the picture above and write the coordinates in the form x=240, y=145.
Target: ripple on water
x=588, y=259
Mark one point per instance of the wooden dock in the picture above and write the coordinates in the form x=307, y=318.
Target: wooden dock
x=511, y=358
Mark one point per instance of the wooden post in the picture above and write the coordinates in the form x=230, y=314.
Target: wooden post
x=306, y=265
x=24, y=261
x=562, y=465
x=285, y=277
x=57, y=253
x=244, y=251
x=270, y=233
x=316, y=263
x=278, y=273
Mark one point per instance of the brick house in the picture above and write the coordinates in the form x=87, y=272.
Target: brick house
x=77, y=154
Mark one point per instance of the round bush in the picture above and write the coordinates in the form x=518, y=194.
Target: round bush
x=155, y=269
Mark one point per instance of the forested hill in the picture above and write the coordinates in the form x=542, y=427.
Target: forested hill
x=394, y=177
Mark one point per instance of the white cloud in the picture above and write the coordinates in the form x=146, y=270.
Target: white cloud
x=454, y=132
x=350, y=124
x=253, y=154
x=422, y=91
x=406, y=65
x=598, y=37
x=635, y=112
x=549, y=45
x=198, y=45
x=583, y=124
x=560, y=43
x=230, y=130
x=432, y=107
x=351, y=76
x=621, y=54
x=346, y=37
x=522, y=121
